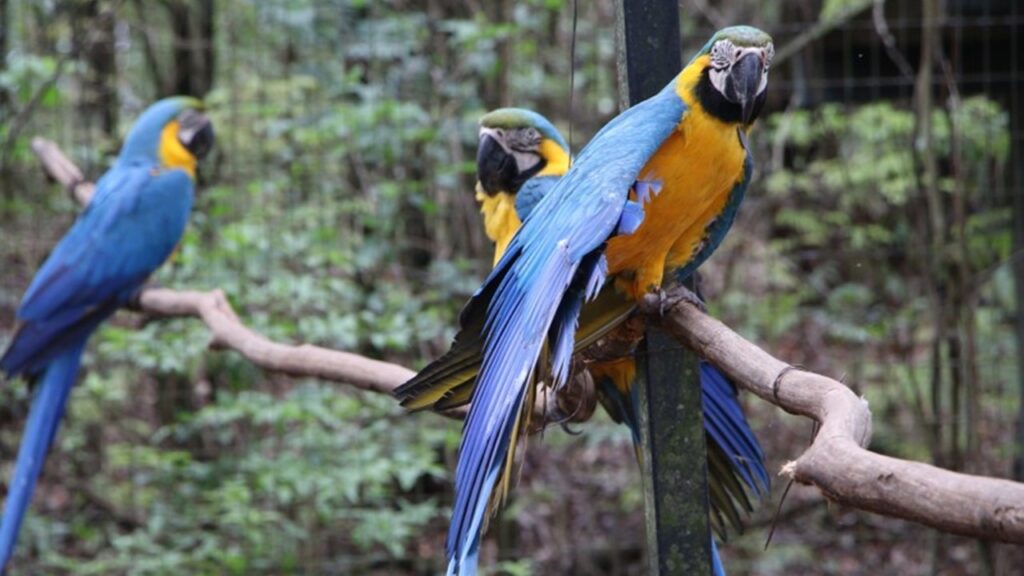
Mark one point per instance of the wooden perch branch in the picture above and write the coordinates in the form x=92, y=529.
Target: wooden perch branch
x=63, y=170
x=228, y=332
x=837, y=462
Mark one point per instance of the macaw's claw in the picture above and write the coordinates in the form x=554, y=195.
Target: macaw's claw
x=684, y=294
x=568, y=430
x=662, y=301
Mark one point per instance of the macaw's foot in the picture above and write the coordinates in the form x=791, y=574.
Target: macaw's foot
x=576, y=401
x=681, y=293
x=661, y=301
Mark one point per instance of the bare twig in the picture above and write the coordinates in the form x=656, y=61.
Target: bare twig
x=836, y=462
x=889, y=41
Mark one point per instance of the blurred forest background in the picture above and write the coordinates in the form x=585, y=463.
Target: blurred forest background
x=876, y=245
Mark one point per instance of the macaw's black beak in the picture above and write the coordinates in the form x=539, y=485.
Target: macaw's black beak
x=195, y=132
x=495, y=168
x=743, y=85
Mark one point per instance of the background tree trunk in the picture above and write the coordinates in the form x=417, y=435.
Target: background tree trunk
x=1016, y=181
x=192, y=24
x=93, y=42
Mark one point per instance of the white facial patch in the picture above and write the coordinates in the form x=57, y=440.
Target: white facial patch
x=525, y=160
x=496, y=134
x=717, y=78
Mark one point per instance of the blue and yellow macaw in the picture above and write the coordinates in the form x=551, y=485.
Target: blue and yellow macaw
x=521, y=155
x=133, y=223
x=654, y=191
x=517, y=145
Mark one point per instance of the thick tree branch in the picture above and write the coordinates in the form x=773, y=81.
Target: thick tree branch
x=836, y=462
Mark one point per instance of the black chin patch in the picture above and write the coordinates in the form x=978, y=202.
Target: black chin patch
x=725, y=109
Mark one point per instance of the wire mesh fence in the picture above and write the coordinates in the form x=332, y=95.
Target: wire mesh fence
x=877, y=243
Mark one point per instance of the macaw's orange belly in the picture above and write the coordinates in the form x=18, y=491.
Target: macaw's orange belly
x=697, y=167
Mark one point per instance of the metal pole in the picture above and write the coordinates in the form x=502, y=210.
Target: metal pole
x=1016, y=183
x=671, y=421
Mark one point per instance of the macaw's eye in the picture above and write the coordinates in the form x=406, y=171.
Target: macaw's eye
x=195, y=132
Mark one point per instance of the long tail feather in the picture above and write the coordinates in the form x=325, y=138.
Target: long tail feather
x=727, y=427
x=716, y=562
x=44, y=418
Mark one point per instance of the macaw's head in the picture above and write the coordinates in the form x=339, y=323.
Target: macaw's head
x=173, y=132
x=735, y=66
x=516, y=145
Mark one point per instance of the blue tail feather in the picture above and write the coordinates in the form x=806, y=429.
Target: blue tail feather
x=44, y=418
x=717, y=569
x=724, y=423
x=728, y=427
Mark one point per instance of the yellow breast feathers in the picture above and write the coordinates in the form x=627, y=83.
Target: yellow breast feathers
x=500, y=219
x=697, y=167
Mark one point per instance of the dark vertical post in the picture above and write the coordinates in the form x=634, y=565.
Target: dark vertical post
x=1016, y=183
x=671, y=422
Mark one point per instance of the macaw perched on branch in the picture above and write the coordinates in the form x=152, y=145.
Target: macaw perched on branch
x=133, y=223
x=655, y=190
x=517, y=145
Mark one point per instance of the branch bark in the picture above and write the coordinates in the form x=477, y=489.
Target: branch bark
x=837, y=462
x=228, y=333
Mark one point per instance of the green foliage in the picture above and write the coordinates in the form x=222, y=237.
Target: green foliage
x=291, y=475
x=845, y=262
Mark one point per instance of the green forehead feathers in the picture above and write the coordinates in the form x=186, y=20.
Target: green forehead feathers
x=744, y=36
x=512, y=118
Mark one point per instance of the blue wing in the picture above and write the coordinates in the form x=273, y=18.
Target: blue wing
x=529, y=285
x=131, y=226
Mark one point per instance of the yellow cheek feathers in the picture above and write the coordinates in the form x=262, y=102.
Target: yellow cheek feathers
x=688, y=78
x=500, y=219
x=557, y=159
x=172, y=153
